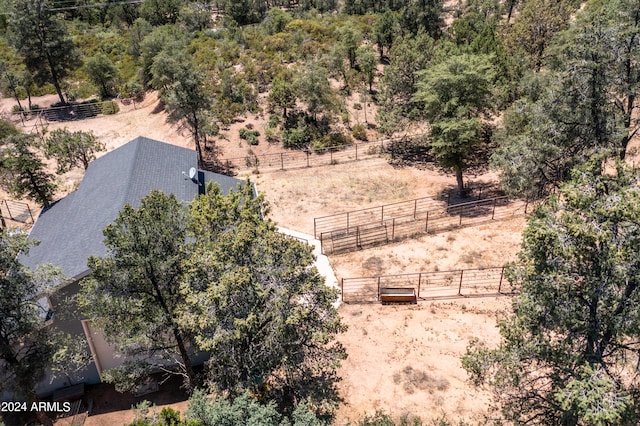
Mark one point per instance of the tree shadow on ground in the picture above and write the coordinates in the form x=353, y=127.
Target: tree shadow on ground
x=410, y=152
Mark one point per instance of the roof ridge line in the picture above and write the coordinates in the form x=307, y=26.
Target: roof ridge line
x=125, y=194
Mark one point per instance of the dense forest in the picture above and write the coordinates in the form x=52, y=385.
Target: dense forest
x=543, y=91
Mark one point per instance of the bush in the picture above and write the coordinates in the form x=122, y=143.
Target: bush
x=359, y=132
x=274, y=121
x=271, y=135
x=34, y=107
x=133, y=89
x=251, y=136
x=109, y=108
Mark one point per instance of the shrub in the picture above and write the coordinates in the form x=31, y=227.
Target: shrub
x=271, y=135
x=251, y=136
x=274, y=120
x=34, y=107
x=109, y=108
x=133, y=89
x=359, y=132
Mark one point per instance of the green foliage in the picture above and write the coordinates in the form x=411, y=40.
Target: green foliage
x=313, y=88
x=569, y=115
x=160, y=12
x=103, y=73
x=367, y=61
x=567, y=354
x=27, y=346
x=456, y=94
x=232, y=267
x=282, y=93
x=245, y=410
x=109, y=107
x=240, y=268
x=41, y=38
x=534, y=28
x=386, y=30
x=407, y=56
x=23, y=173
x=359, y=131
x=251, y=136
x=131, y=295
x=72, y=149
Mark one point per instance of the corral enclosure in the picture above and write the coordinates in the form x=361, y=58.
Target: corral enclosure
x=421, y=371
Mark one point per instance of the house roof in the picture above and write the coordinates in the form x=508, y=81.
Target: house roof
x=70, y=230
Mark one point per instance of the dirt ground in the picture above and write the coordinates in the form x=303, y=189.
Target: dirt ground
x=402, y=359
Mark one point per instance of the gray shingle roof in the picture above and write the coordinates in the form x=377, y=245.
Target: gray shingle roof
x=70, y=230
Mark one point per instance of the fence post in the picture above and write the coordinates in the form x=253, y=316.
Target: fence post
x=381, y=214
x=419, y=282
x=342, y=289
x=378, y=287
x=281, y=161
x=2, y=222
x=393, y=229
x=494, y=208
x=29, y=209
x=460, y=285
x=315, y=229
x=6, y=203
x=526, y=205
x=322, y=243
x=307, y=158
x=347, y=222
x=415, y=207
x=356, y=152
x=426, y=223
x=460, y=223
x=358, y=243
x=500, y=284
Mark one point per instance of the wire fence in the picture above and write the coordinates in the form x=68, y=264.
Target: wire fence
x=427, y=285
x=15, y=211
x=293, y=159
x=386, y=229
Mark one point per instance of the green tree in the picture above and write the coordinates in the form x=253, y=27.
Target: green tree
x=407, y=56
x=258, y=306
x=42, y=39
x=385, y=31
x=26, y=345
x=313, y=88
x=195, y=17
x=422, y=15
x=623, y=19
x=23, y=172
x=133, y=293
x=579, y=110
x=187, y=100
x=534, y=28
x=569, y=353
x=103, y=73
x=349, y=39
x=368, y=63
x=456, y=95
x=160, y=12
x=72, y=149
x=282, y=93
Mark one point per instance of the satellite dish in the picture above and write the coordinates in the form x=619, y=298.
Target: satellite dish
x=192, y=172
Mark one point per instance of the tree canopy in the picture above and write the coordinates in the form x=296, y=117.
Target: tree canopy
x=569, y=353
x=216, y=277
x=456, y=95
x=27, y=346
